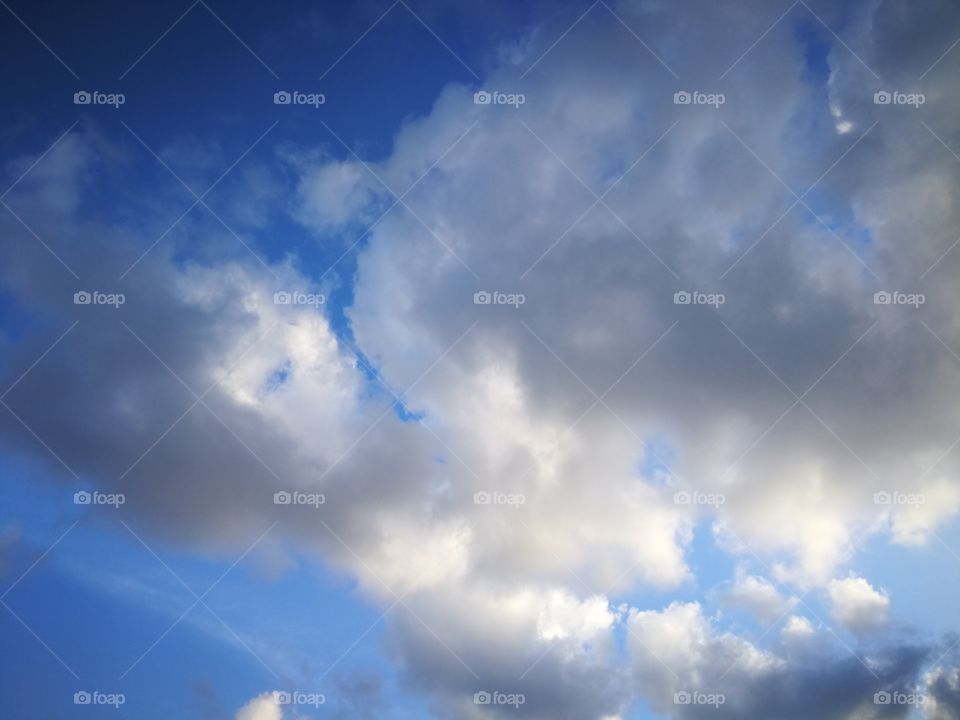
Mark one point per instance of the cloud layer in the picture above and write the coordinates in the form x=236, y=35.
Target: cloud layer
x=699, y=349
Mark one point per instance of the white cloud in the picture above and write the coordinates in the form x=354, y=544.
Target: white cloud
x=797, y=627
x=758, y=596
x=857, y=605
x=679, y=650
x=332, y=193
x=912, y=523
x=678, y=646
x=555, y=648
x=262, y=707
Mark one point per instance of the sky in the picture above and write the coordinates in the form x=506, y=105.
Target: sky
x=433, y=360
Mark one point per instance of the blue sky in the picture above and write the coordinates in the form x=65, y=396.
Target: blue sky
x=583, y=490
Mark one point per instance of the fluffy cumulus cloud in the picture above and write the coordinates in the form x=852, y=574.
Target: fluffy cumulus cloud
x=758, y=596
x=262, y=707
x=557, y=451
x=675, y=222
x=857, y=605
x=556, y=651
x=689, y=669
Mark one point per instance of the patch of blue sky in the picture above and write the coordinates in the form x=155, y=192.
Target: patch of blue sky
x=815, y=40
x=658, y=458
x=16, y=322
x=100, y=615
x=378, y=386
x=99, y=599
x=278, y=377
x=923, y=581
